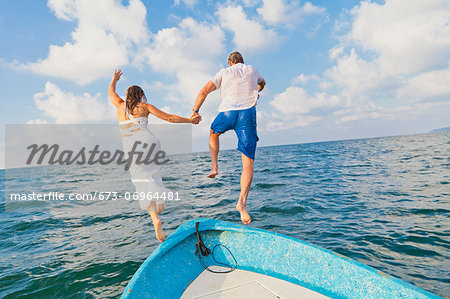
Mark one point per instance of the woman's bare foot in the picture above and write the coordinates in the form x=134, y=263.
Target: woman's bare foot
x=159, y=207
x=245, y=217
x=158, y=230
x=213, y=174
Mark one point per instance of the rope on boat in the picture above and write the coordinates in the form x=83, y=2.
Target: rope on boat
x=202, y=250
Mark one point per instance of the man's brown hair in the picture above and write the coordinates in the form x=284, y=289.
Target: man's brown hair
x=236, y=57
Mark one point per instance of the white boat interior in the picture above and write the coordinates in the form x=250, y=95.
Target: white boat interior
x=244, y=284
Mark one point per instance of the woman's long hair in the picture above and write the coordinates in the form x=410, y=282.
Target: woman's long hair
x=135, y=95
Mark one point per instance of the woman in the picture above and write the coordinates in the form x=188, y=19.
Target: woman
x=132, y=115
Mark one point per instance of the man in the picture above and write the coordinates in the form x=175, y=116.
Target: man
x=239, y=86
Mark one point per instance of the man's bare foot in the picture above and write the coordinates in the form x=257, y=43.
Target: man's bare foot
x=245, y=217
x=159, y=207
x=213, y=174
x=158, y=230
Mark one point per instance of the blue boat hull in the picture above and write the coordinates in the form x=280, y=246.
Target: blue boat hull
x=170, y=269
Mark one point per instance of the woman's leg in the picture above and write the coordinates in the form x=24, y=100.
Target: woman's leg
x=159, y=207
x=156, y=221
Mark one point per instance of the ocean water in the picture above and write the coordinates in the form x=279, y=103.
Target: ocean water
x=384, y=202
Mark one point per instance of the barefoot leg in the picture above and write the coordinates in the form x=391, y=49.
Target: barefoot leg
x=159, y=207
x=214, y=151
x=246, y=181
x=157, y=224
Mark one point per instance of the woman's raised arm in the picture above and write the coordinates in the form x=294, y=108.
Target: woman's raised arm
x=115, y=99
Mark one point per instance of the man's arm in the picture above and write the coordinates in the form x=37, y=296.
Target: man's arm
x=207, y=89
x=261, y=85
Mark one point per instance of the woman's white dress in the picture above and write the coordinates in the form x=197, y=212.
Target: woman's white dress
x=145, y=177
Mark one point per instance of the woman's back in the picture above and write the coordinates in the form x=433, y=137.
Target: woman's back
x=139, y=111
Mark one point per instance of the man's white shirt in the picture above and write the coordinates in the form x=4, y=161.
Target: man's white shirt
x=238, y=87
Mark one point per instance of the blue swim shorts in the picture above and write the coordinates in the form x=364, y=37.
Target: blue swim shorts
x=243, y=122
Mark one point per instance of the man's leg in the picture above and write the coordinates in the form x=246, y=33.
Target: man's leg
x=214, y=151
x=246, y=181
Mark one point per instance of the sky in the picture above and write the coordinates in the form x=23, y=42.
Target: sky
x=334, y=69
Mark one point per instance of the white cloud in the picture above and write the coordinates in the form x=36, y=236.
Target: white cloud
x=249, y=35
x=250, y=3
x=296, y=100
x=272, y=11
x=106, y=36
x=410, y=45
x=188, y=3
x=363, y=111
x=189, y=46
x=37, y=121
x=277, y=122
x=398, y=51
x=303, y=79
x=289, y=13
x=408, y=35
x=433, y=85
x=432, y=112
x=67, y=108
x=359, y=78
x=190, y=53
x=336, y=52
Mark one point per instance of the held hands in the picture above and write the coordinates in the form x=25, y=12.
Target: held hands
x=117, y=74
x=195, y=118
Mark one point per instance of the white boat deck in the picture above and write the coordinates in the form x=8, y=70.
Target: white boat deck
x=244, y=284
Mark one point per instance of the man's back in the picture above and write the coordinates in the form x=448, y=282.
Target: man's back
x=238, y=86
